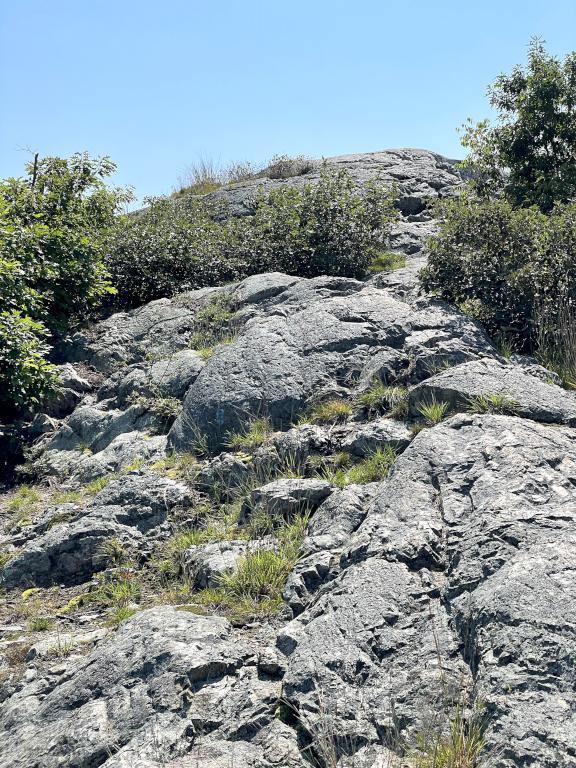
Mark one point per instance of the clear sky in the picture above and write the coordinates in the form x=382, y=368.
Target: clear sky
x=157, y=84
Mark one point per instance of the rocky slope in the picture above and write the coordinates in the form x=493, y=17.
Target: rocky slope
x=439, y=593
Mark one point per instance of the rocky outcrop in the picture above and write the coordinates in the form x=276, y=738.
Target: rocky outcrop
x=319, y=338
x=441, y=592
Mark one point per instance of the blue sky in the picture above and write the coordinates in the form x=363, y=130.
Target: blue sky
x=157, y=85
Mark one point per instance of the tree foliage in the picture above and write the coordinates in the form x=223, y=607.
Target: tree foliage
x=53, y=225
x=506, y=249
x=530, y=153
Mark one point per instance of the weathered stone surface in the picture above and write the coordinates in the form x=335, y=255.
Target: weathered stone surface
x=155, y=330
x=70, y=552
x=534, y=398
x=475, y=526
x=367, y=438
x=286, y=498
x=258, y=288
x=318, y=336
x=169, y=377
x=149, y=692
x=72, y=388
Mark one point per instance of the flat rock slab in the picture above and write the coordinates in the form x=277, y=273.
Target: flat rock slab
x=534, y=398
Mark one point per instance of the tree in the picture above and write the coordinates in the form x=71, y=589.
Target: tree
x=53, y=227
x=529, y=155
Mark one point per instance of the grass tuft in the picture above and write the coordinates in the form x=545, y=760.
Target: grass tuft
x=386, y=261
x=434, y=411
x=250, y=437
x=382, y=398
x=493, y=402
x=328, y=412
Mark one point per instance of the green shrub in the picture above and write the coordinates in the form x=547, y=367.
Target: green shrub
x=170, y=247
x=506, y=250
x=26, y=376
x=331, y=227
x=53, y=226
x=506, y=267
x=529, y=155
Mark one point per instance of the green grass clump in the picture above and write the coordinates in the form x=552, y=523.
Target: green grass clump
x=22, y=506
x=254, y=589
x=214, y=324
x=119, y=591
x=457, y=746
x=119, y=614
x=372, y=468
x=386, y=261
x=433, y=411
x=383, y=398
x=329, y=412
x=493, y=402
x=252, y=436
x=177, y=465
x=40, y=624
x=67, y=497
x=97, y=485
x=114, y=551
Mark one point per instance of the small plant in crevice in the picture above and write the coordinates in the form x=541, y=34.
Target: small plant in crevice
x=387, y=261
x=40, y=624
x=493, y=402
x=372, y=468
x=22, y=506
x=332, y=411
x=458, y=745
x=164, y=409
x=381, y=398
x=254, y=434
x=433, y=411
x=214, y=324
x=114, y=551
x=175, y=465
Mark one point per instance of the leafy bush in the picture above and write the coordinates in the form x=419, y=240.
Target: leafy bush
x=506, y=250
x=504, y=265
x=26, y=377
x=170, y=247
x=330, y=227
x=53, y=224
x=327, y=228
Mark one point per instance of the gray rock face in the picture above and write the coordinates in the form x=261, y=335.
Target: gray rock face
x=149, y=693
x=377, y=434
x=69, y=553
x=156, y=330
x=473, y=527
x=286, y=498
x=534, y=398
x=318, y=336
